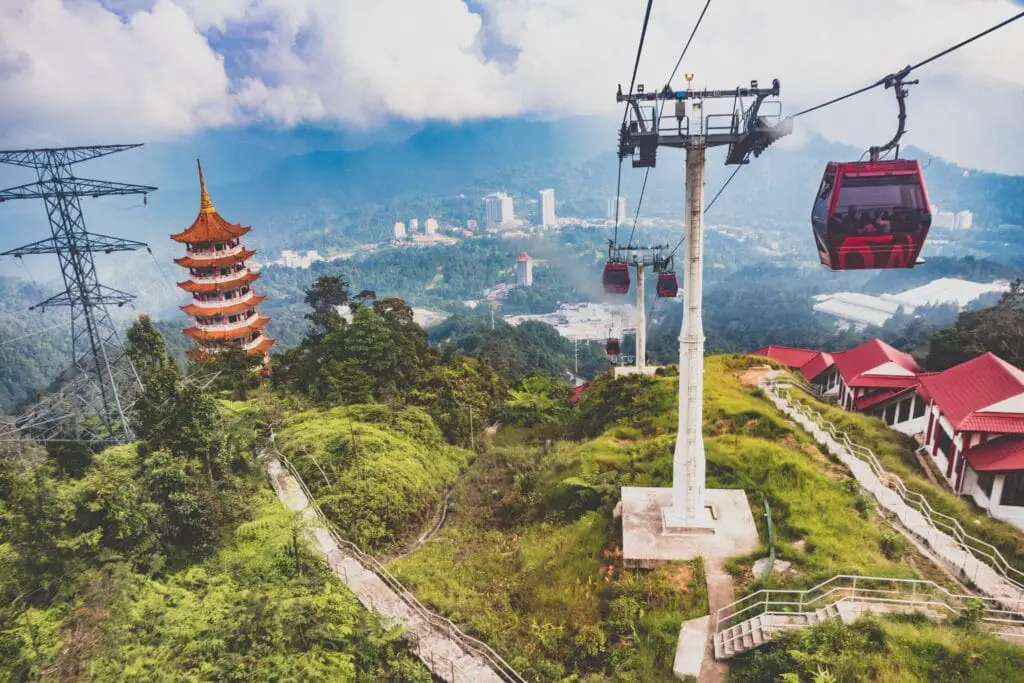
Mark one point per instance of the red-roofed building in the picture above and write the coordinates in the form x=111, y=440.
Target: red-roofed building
x=577, y=393
x=975, y=432
x=811, y=364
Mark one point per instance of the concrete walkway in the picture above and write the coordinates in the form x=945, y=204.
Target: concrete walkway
x=720, y=594
x=948, y=549
x=439, y=651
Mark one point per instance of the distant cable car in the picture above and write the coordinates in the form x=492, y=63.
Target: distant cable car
x=668, y=285
x=873, y=214
x=615, y=278
x=611, y=347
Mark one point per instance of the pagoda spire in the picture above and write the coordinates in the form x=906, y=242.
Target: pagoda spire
x=205, y=203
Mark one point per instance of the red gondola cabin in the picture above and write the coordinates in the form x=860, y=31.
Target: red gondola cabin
x=668, y=285
x=870, y=215
x=611, y=347
x=615, y=278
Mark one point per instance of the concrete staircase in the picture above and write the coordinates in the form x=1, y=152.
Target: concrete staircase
x=757, y=631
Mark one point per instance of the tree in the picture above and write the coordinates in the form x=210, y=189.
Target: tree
x=237, y=370
x=999, y=329
x=146, y=347
x=325, y=296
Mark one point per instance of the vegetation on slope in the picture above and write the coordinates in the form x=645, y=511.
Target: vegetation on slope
x=167, y=559
x=529, y=557
x=378, y=474
x=891, y=650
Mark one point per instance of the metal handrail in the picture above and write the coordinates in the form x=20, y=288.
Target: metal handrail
x=970, y=544
x=844, y=589
x=469, y=643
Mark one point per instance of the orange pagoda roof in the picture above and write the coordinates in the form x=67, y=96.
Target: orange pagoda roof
x=257, y=323
x=193, y=310
x=192, y=262
x=208, y=226
x=263, y=347
x=247, y=278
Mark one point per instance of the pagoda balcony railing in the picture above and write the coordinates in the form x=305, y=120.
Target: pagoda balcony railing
x=220, y=303
x=254, y=343
x=199, y=280
x=203, y=254
x=227, y=327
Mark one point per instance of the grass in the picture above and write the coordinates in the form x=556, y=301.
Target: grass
x=379, y=474
x=889, y=650
x=895, y=452
x=546, y=587
x=529, y=559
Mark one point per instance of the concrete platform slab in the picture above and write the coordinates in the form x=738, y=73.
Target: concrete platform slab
x=626, y=370
x=645, y=543
x=693, y=638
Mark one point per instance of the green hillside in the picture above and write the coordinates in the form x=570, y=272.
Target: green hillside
x=168, y=559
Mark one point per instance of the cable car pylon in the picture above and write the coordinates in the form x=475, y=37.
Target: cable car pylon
x=616, y=281
x=754, y=123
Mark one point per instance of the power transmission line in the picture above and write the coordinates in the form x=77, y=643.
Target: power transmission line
x=688, y=41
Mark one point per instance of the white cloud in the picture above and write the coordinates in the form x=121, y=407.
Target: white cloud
x=76, y=69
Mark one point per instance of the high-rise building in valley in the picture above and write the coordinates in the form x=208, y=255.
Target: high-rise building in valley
x=547, y=208
x=619, y=203
x=524, y=270
x=430, y=226
x=399, y=231
x=223, y=307
x=499, y=209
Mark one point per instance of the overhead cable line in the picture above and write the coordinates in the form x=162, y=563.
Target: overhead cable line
x=669, y=81
x=710, y=204
x=636, y=216
x=32, y=334
x=688, y=41
x=908, y=69
x=625, y=109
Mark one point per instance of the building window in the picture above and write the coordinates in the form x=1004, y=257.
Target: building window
x=985, y=481
x=890, y=414
x=919, y=407
x=944, y=442
x=904, y=413
x=1013, y=489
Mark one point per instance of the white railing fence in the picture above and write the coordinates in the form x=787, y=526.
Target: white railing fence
x=443, y=625
x=895, y=594
x=940, y=522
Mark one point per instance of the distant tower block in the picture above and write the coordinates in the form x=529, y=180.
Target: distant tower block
x=524, y=270
x=430, y=226
x=223, y=303
x=472, y=225
x=499, y=209
x=399, y=231
x=964, y=220
x=547, y=208
x=617, y=204
x=414, y=225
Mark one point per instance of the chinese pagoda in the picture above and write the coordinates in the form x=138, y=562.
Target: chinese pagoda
x=223, y=303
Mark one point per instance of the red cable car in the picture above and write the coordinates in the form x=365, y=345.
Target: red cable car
x=668, y=285
x=871, y=215
x=615, y=278
x=611, y=347
x=874, y=214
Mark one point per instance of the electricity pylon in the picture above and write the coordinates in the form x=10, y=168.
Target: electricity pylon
x=92, y=405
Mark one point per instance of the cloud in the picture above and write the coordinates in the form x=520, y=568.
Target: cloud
x=170, y=67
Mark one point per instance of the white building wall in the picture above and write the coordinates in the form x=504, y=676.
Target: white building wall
x=547, y=207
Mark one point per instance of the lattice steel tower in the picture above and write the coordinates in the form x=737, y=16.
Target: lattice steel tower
x=93, y=406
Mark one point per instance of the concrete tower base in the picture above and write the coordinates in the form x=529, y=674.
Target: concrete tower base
x=647, y=540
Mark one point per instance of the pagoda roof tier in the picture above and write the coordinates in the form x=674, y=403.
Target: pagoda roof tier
x=227, y=309
x=208, y=226
x=263, y=347
x=199, y=334
x=193, y=262
x=246, y=277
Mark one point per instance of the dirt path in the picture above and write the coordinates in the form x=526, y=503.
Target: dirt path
x=439, y=519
